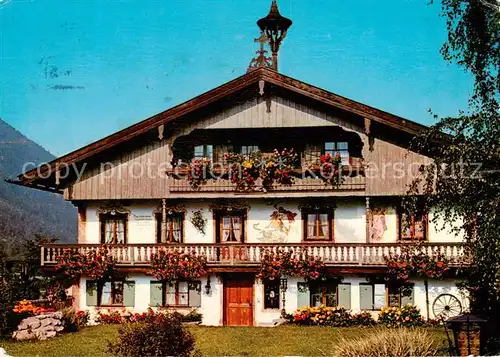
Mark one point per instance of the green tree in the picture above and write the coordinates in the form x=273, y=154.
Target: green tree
x=463, y=183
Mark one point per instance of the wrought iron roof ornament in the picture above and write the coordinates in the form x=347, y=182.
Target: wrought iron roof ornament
x=261, y=61
x=274, y=27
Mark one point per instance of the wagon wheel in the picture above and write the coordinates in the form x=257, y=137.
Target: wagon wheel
x=446, y=306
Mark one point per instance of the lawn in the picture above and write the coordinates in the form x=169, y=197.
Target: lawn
x=211, y=341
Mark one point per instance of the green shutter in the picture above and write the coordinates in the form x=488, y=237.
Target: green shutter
x=365, y=297
x=129, y=293
x=155, y=293
x=195, y=294
x=91, y=291
x=302, y=295
x=407, y=296
x=344, y=296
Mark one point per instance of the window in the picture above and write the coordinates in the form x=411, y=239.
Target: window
x=203, y=151
x=272, y=294
x=372, y=296
x=113, y=229
x=174, y=231
x=179, y=293
x=231, y=227
x=312, y=153
x=412, y=226
x=342, y=148
x=377, y=296
x=111, y=293
x=317, y=226
x=330, y=293
x=324, y=294
x=248, y=149
x=399, y=297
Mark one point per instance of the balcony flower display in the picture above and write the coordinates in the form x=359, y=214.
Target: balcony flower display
x=244, y=170
x=97, y=265
x=199, y=172
x=279, y=168
x=413, y=260
x=329, y=169
x=170, y=265
x=287, y=263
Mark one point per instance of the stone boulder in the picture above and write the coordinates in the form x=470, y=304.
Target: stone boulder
x=40, y=327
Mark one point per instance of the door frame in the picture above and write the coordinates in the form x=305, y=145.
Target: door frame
x=240, y=277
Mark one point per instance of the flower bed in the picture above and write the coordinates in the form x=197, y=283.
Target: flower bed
x=323, y=316
x=406, y=316
x=28, y=308
x=114, y=317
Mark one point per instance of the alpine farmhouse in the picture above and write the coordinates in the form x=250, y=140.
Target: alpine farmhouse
x=136, y=195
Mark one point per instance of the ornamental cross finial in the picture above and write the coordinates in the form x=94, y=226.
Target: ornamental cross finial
x=261, y=61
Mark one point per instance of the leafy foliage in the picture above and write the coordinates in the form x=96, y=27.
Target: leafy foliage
x=323, y=316
x=463, y=183
x=329, y=169
x=164, y=335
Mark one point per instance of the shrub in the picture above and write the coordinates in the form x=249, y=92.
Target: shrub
x=363, y=319
x=74, y=321
x=110, y=317
x=28, y=308
x=406, y=316
x=164, y=335
x=388, y=343
x=322, y=316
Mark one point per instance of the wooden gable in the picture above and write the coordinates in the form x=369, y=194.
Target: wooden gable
x=259, y=99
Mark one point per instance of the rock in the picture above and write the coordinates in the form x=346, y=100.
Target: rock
x=278, y=322
x=24, y=335
x=40, y=327
x=3, y=353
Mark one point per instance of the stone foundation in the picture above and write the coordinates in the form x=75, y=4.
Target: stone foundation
x=40, y=327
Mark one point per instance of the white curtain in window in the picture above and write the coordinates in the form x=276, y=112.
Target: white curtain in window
x=120, y=232
x=323, y=230
x=236, y=229
x=183, y=293
x=170, y=294
x=176, y=236
x=226, y=228
x=109, y=227
x=311, y=225
x=106, y=294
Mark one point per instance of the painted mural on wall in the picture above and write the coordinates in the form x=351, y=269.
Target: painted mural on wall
x=278, y=228
x=378, y=224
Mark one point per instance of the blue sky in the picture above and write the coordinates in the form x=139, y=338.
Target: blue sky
x=74, y=71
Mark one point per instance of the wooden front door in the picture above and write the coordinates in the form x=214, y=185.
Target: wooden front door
x=238, y=302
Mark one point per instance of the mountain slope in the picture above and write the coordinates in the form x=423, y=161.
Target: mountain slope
x=25, y=212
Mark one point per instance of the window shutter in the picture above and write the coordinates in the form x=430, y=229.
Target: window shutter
x=195, y=294
x=366, y=297
x=91, y=292
x=407, y=296
x=129, y=293
x=155, y=293
x=344, y=296
x=302, y=295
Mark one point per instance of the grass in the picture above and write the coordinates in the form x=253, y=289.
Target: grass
x=211, y=341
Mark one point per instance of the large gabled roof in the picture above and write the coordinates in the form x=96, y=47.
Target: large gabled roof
x=203, y=100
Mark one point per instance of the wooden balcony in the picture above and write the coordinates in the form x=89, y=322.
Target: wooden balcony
x=350, y=185
x=338, y=255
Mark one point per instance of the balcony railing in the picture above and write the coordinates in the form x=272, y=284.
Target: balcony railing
x=370, y=255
